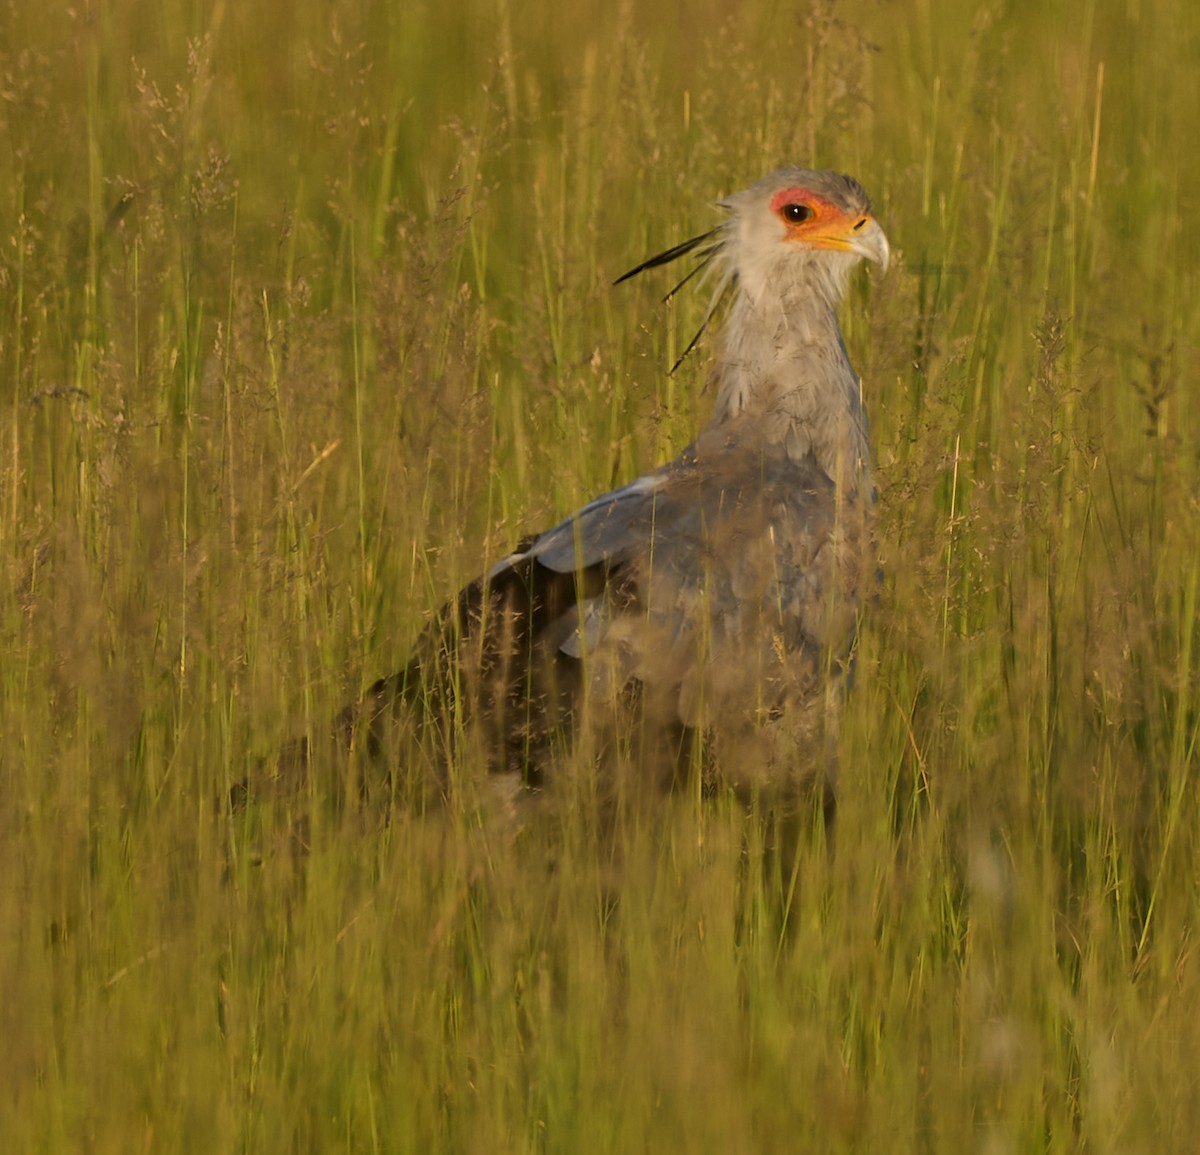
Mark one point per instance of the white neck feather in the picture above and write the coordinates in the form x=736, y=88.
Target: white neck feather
x=785, y=369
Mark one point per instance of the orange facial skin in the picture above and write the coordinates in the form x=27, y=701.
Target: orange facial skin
x=815, y=221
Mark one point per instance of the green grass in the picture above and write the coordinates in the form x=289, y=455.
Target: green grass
x=304, y=318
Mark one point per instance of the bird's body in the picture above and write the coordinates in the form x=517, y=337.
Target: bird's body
x=717, y=595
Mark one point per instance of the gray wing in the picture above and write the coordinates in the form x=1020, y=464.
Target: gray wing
x=712, y=592
x=608, y=531
x=599, y=546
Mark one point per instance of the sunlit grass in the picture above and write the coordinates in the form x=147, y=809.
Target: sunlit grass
x=305, y=318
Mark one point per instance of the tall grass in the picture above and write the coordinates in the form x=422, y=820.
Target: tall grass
x=305, y=317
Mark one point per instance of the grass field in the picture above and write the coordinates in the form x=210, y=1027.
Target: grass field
x=304, y=317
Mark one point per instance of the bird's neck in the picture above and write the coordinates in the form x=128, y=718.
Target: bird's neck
x=784, y=371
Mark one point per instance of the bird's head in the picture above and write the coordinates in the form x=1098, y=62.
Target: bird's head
x=801, y=230
x=792, y=238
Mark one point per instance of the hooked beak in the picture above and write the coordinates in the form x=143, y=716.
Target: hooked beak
x=872, y=244
x=861, y=235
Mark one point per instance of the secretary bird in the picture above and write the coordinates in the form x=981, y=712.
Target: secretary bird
x=711, y=604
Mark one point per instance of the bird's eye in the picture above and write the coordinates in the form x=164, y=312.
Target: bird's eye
x=796, y=214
